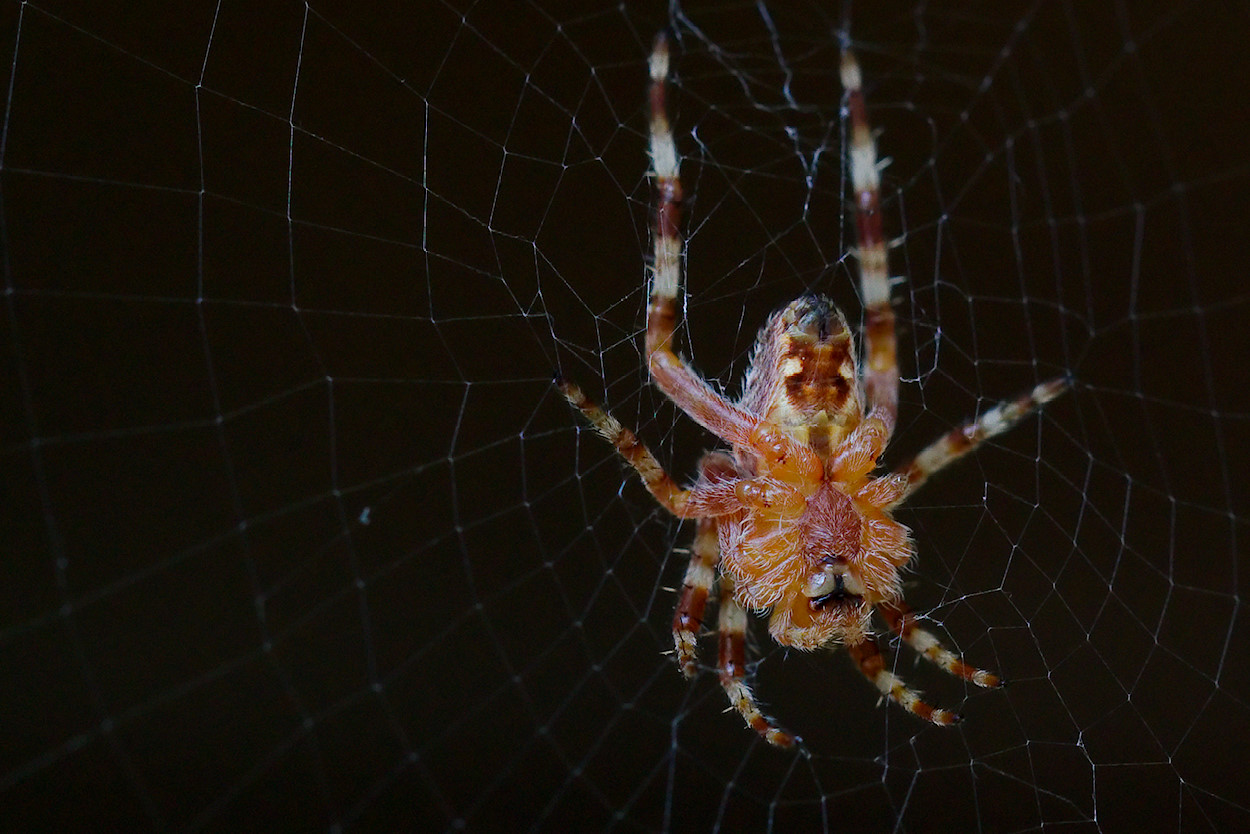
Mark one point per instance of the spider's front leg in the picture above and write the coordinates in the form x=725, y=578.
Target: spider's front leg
x=903, y=623
x=867, y=655
x=712, y=496
x=692, y=603
x=731, y=622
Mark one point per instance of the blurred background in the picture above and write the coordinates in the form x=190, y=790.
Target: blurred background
x=297, y=535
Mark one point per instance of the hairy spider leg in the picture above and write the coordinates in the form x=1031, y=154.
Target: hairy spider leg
x=903, y=623
x=731, y=621
x=657, y=481
x=881, y=345
x=867, y=655
x=688, y=619
x=666, y=265
x=671, y=374
x=960, y=441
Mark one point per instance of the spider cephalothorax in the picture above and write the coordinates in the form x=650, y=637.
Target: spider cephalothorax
x=794, y=519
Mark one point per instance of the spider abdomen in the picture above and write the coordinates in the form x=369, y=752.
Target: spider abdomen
x=804, y=374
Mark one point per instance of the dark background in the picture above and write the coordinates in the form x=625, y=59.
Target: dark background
x=296, y=535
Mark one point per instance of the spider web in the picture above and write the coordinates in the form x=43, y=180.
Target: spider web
x=297, y=535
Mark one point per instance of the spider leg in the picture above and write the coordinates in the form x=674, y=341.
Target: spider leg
x=731, y=622
x=868, y=657
x=671, y=373
x=881, y=363
x=903, y=623
x=657, y=481
x=959, y=442
x=691, y=605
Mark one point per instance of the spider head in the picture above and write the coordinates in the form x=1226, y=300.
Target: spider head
x=835, y=585
x=830, y=593
x=832, y=605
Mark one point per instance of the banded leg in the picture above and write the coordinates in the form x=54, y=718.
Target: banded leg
x=881, y=345
x=669, y=372
x=666, y=233
x=732, y=622
x=868, y=656
x=903, y=623
x=657, y=481
x=691, y=605
x=959, y=442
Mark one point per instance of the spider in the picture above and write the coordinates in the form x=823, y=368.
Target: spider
x=793, y=523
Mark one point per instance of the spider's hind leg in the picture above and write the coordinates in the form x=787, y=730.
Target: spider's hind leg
x=670, y=373
x=880, y=366
x=665, y=174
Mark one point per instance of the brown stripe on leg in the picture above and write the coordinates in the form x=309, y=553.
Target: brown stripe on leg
x=962, y=440
x=731, y=623
x=881, y=369
x=903, y=622
x=691, y=605
x=666, y=269
x=636, y=454
x=881, y=362
x=669, y=372
x=868, y=657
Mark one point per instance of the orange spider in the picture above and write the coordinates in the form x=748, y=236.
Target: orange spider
x=794, y=519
